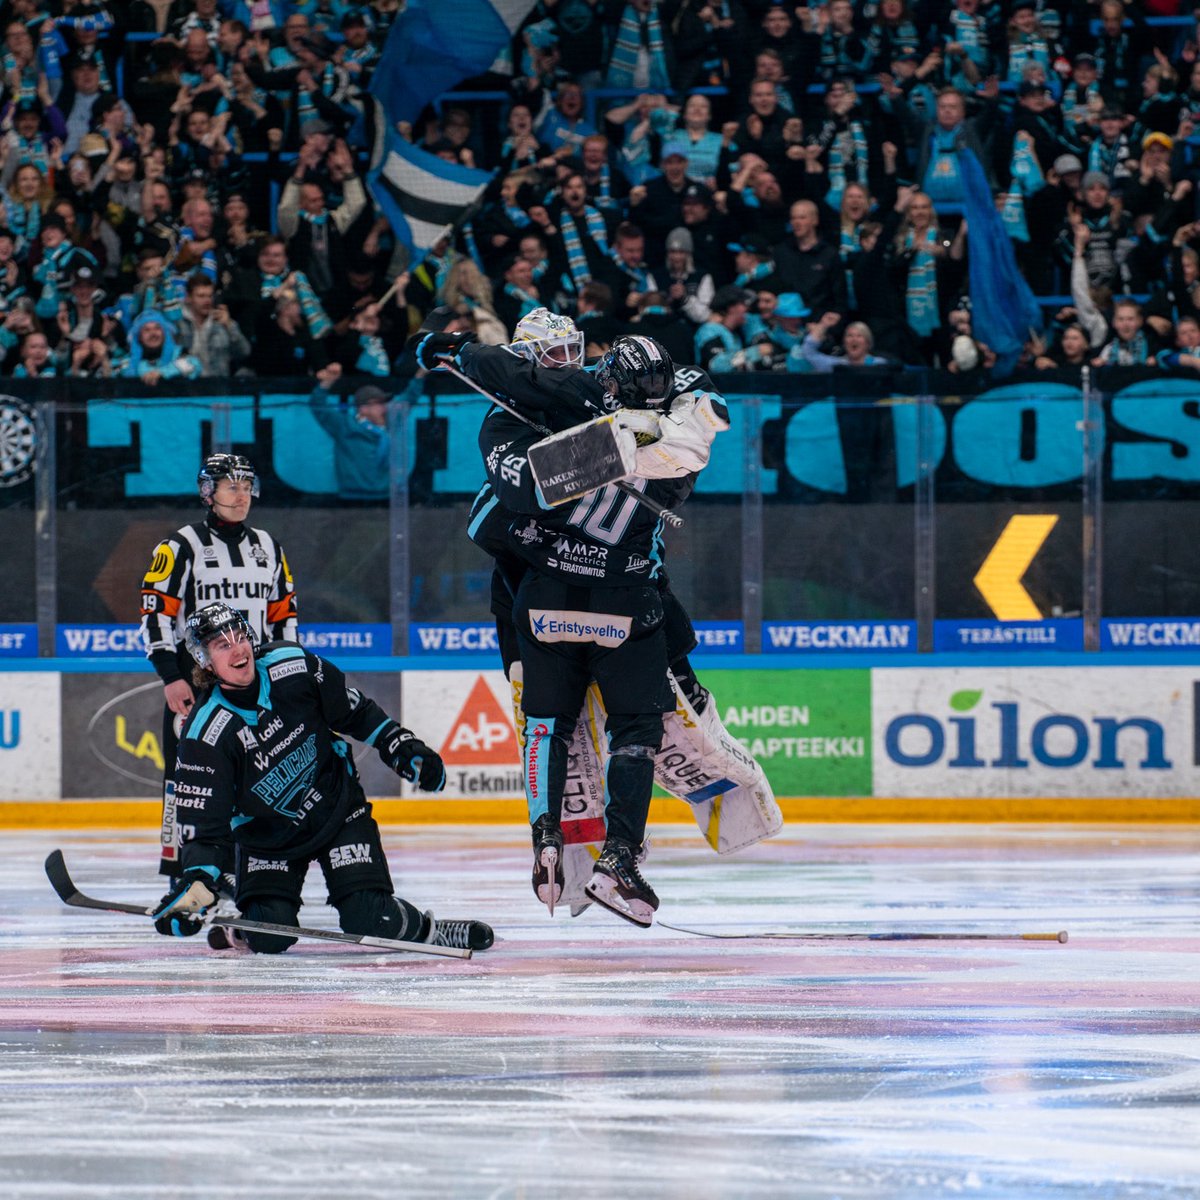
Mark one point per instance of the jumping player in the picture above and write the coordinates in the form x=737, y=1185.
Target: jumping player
x=261, y=766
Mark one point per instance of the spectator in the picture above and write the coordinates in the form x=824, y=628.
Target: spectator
x=639, y=53
x=1130, y=344
x=208, y=333
x=632, y=278
x=810, y=266
x=283, y=341
x=857, y=344
x=1186, y=354
x=78, y=98
x=359, y=432
x=657, y=205
x=702, y=147
x=689, y=292
x=928, y=269
x=317, y=237
x=154, y=354
x=563, y=128
x=719, y=346
x=36, y=361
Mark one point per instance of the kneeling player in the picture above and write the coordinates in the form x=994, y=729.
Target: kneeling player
x=260, y=765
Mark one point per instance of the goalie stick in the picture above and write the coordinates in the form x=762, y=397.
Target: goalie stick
x=902, y=936
x=68, y=893
x=672, y=519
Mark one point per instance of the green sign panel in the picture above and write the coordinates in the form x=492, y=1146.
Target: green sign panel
x=809, y=730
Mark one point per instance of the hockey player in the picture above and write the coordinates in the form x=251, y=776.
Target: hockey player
x=600, y=556
x=260, y=765
x=219, y=558
x=729, y=796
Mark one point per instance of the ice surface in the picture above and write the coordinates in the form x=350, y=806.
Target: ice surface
x=588, y=1058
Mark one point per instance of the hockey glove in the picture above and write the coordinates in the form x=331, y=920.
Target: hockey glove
x=411, y=759
x=181, y=911
x=435, y=349
x=685, y=436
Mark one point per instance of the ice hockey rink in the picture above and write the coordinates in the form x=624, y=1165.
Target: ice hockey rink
x=586, y=1057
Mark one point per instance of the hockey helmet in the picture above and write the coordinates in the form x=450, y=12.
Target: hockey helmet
x=207, y=624
x=638, y=373
x=225, y=466
x=548, y=339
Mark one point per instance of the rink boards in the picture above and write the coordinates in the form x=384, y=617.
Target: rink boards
x=1049, y=738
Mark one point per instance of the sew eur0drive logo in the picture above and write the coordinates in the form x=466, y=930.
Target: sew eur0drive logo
x=480, y=750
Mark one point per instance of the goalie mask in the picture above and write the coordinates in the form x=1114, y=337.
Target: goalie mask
x=638, y=373
x=548, y=339
x=207, y=624
x=236, y=467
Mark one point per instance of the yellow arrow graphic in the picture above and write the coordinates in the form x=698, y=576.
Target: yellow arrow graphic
x=999, y=579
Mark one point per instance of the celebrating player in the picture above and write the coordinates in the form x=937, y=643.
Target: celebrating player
x=260, y=766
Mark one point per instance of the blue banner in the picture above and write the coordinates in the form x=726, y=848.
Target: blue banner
x=1149, y=633
x=334, y=641
x=965, y=636
x=453, y=637
x=18, y=641
x=839, y=637
x=719, y=637
x=99, y=641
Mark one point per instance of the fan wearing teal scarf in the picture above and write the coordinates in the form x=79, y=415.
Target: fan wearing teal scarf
x=638, y=56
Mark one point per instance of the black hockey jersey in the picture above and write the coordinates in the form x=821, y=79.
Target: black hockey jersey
x=605, y=539
x=246, y=568
x=263, y=766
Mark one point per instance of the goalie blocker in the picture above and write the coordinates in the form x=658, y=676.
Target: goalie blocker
x=582, y=459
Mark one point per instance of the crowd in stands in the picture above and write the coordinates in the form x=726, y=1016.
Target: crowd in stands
x=761, y=186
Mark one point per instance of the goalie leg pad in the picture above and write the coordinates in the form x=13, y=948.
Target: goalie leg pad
x=731, y=799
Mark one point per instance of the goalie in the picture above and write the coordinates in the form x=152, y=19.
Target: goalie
x=697, y=759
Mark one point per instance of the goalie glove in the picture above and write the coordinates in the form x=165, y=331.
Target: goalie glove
x=180, y=913
x=410, y=758
x=685, y=435
x=432, y=350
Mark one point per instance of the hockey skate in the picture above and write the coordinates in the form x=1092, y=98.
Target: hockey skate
x=458, y=935
x=547, y=861
x=617, y=883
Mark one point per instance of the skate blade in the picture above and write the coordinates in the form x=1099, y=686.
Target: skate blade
x=607, y=892
x=549, y=892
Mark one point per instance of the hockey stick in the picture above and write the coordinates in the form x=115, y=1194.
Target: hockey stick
x=68, y=893
x=672, y=519
x=1061, y=936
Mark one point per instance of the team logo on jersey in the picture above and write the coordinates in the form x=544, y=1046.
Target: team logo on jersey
x=529, y=534
x=636, y=564
x=163, y=564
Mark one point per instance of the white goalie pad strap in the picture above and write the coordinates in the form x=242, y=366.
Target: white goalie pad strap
x=581, y=459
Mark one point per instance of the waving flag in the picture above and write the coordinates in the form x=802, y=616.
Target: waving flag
x=1004, y=311
x=420, y=194
x=434, y=45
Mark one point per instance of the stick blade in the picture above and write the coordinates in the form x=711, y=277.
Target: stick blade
x=59, y=876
